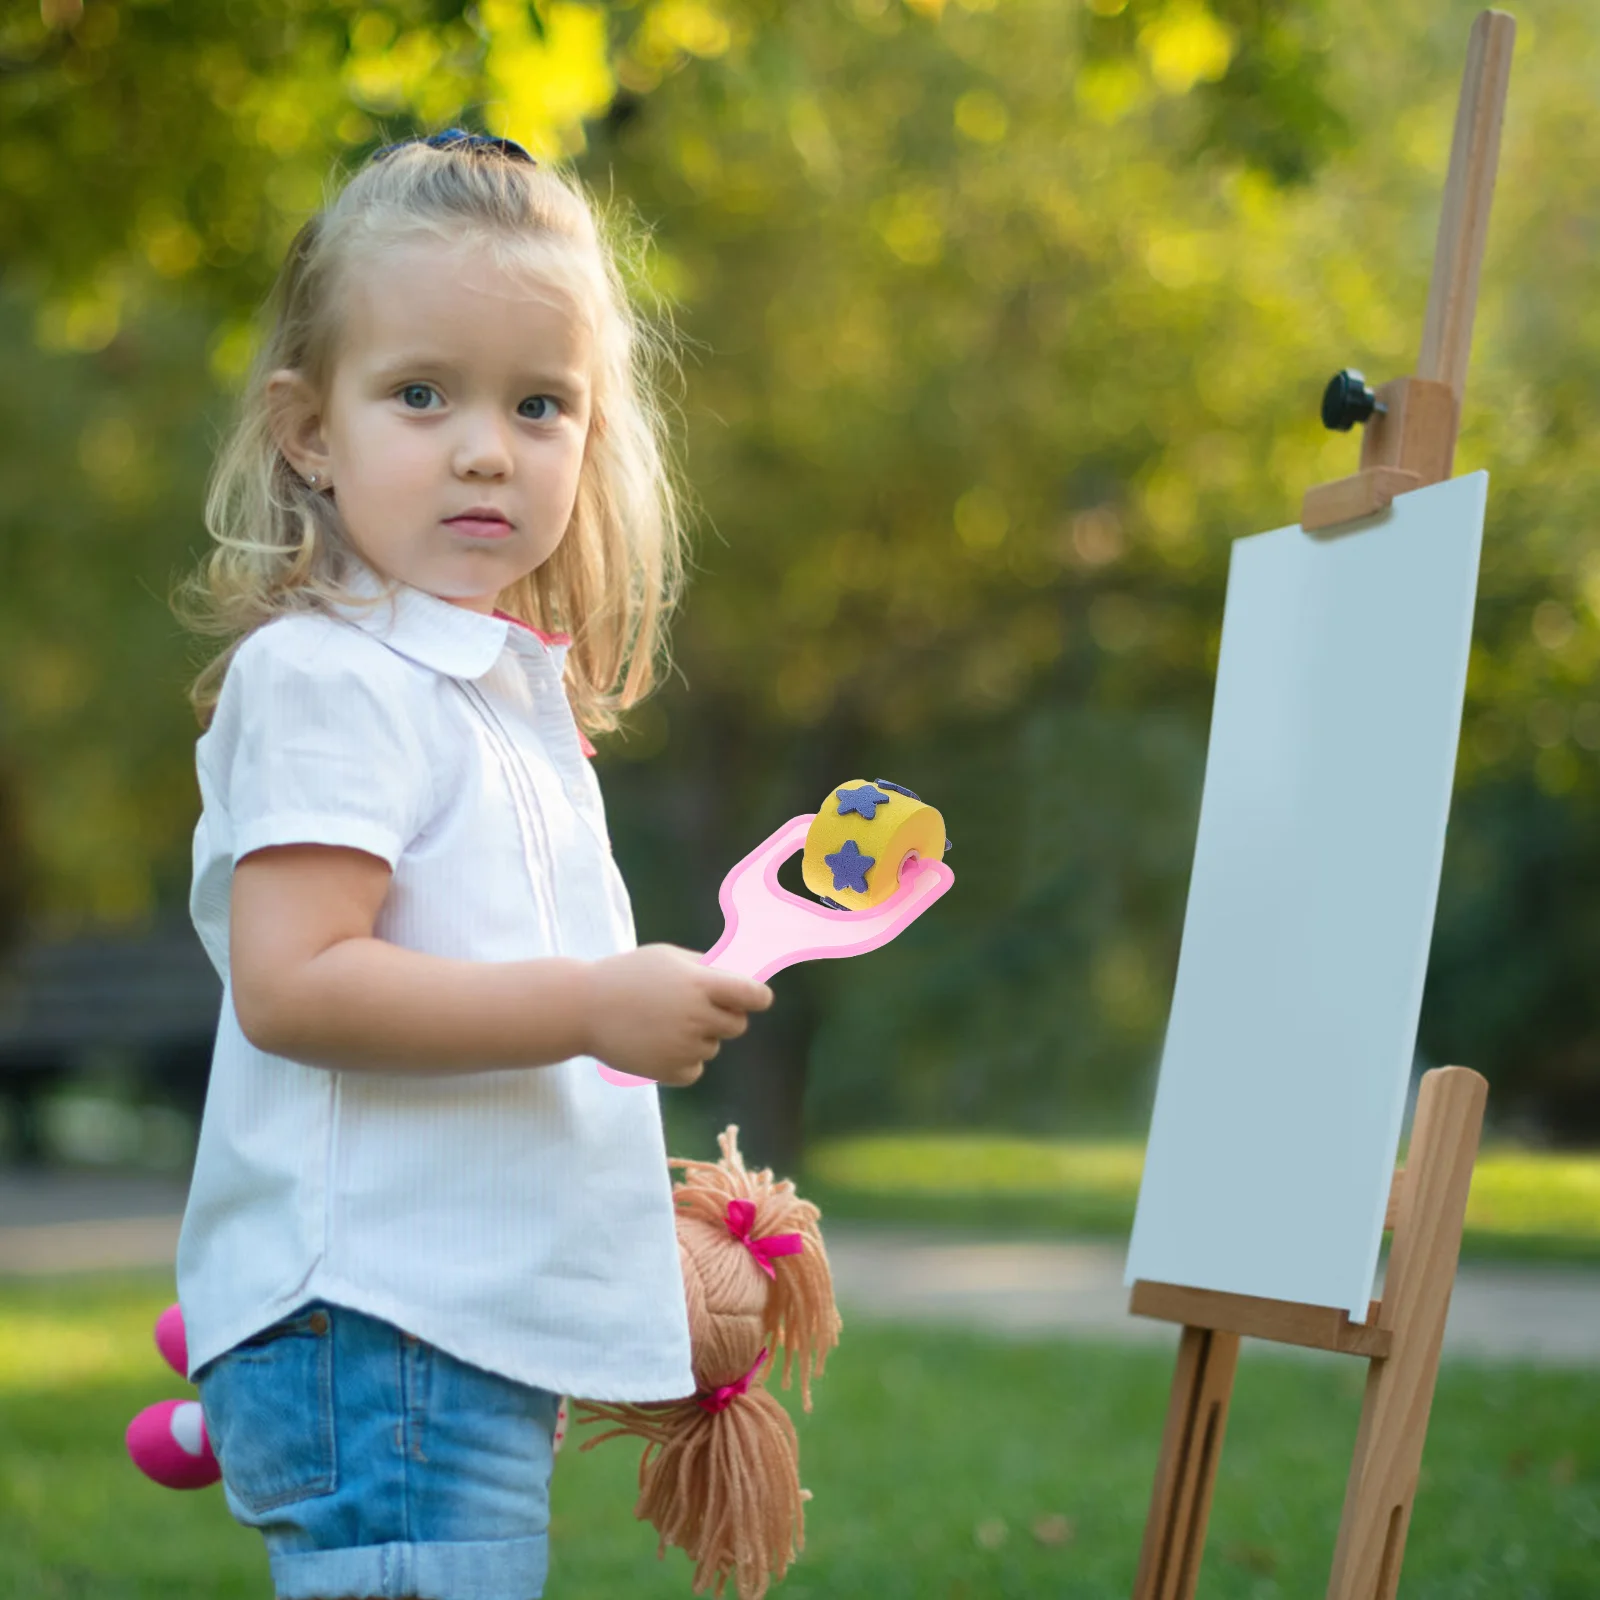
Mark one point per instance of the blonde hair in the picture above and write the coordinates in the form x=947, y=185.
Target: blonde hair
x=280, y=546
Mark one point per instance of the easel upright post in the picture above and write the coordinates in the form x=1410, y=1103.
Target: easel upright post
x=1416, y=1300
x=1410, y=436
x=1180, y=1505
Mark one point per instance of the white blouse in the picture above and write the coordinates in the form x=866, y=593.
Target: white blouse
x=519, y=1219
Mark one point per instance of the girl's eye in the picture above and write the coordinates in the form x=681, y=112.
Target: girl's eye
x=549, y=408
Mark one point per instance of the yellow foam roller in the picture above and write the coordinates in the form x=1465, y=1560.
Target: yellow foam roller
x=861, y=837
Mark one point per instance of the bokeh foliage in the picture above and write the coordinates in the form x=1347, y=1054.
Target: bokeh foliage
x=1001, y=318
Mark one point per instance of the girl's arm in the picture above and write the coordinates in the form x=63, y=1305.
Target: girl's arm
x=312, y=983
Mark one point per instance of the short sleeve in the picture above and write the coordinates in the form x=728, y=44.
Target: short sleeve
x=327, y=748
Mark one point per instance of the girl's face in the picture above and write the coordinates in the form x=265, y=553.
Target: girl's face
x=457, y=388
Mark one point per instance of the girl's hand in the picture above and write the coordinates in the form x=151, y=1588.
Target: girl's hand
x=657, y=1012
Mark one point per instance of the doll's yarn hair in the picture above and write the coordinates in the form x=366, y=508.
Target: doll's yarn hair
x=720, y=1477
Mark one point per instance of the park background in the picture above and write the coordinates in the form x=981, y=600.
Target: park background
x=997, y=321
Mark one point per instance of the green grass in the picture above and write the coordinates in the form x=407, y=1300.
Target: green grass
x=944, y=1467
x=1523, y=1203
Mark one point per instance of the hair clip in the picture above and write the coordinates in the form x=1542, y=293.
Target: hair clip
x=459, y=136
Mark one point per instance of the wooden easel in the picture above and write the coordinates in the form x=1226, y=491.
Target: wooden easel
x=1409, y=442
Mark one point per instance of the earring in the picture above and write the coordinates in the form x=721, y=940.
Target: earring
x=312, y=480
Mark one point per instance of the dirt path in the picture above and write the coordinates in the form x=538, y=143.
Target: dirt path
x=60, y=1222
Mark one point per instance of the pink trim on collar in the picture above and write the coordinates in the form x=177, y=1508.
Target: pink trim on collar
x=550, y=638
x=538, y=633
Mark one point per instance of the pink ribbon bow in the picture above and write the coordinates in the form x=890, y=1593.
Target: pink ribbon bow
x=721, y=1399
x=741, y=1218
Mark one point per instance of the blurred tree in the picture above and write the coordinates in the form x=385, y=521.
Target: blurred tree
x=1258, y=73
x=206, y=186
x=16, y=886
x=1005, y=319
x=1006, y=344
x=1512, y=977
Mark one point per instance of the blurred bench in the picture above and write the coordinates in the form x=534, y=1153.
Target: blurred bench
x=152, y=998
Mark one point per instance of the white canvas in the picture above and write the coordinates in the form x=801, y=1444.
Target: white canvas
x=1311, y=905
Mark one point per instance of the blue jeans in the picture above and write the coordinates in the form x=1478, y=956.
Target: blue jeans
x=377, y=1465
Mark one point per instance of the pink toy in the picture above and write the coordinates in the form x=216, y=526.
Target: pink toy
x=767, y=929
x=172, y=1340
x=168, y=1441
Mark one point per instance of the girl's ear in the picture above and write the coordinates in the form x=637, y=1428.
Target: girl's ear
x=296, y=419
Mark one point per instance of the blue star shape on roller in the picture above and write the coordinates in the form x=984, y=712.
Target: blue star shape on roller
x=864, y=801
x=850, y=867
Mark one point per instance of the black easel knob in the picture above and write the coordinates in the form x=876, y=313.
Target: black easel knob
x=1347, y=400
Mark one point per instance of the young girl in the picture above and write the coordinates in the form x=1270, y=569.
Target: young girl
x=419, y=1214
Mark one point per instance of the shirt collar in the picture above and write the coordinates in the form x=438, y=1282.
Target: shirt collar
x=450, y=639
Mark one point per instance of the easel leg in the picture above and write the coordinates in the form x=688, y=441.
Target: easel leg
x=1416, y=1299
x=1197, y=1414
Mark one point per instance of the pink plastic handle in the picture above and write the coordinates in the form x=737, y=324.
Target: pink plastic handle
x=765, y=928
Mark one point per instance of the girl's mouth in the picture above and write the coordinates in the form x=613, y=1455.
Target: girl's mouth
x=480, y=527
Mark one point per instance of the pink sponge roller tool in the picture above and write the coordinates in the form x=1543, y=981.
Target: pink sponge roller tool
x=875, y=844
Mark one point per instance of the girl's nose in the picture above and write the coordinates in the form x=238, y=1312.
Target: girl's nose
x=484, y=448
